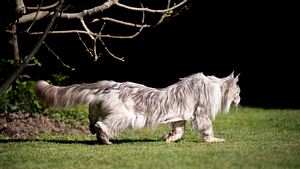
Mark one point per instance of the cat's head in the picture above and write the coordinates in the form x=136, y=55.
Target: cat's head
x=230, y=92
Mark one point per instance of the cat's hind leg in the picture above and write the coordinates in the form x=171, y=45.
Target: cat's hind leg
x=96, y=126
x=102, y=133
x=176, y=133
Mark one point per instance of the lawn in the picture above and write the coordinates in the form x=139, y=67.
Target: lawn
x=255, y=138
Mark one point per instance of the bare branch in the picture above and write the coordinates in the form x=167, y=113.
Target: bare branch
x=107, y=50
x=167, y=12
x=150, y=10
x=43, y=7
x=92, y=11
x=34, y=19
x=123, y=37
x=57, y=57
x=91, y=33
x=87, y=49
x=17, y=8
x=171, y=14
x=65, y=32
x=124, y=22
x=99, y=35
x=79, y=15
x=110, y=53
x=95, y=50
x=86, y=29
x=95, y=41
x=35, y=16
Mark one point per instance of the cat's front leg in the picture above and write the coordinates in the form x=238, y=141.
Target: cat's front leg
x=204, y=126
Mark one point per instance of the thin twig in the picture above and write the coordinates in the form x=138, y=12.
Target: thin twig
x=110, y=53
x=98, y=36
x=84, y=32
x=124, y=22
x=79, y=15
x=37, y=12
x=150, y=10
x=95, y=50
x=57, y=57
x=87, y=49
x=87, y=29
x=64, y=32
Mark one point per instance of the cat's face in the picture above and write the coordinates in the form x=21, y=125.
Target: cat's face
x=230, y=93
x=234, y=92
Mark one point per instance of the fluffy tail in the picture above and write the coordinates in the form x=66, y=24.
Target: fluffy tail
x=67, y=96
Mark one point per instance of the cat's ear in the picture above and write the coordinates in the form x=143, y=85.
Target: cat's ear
x=231, y=80
x=236, y=79
x=231, y=76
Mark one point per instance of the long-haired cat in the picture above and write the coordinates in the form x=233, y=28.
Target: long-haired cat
x=115, y=106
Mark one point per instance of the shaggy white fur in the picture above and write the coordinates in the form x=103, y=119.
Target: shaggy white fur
x=115, y=106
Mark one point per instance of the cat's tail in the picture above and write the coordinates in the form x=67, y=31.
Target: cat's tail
x=67, y=96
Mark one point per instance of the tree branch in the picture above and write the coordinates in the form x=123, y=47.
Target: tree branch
x=165, y=13
x=124, y=22
x=110, y=53
x=86, y=29
x=19, y=7
x=57, y=57
x=34, y=19
x=150, y=10
x=79, y=15
x=29, y=57
x=86, y=47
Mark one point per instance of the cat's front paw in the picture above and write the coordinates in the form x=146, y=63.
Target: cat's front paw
x=213, y=139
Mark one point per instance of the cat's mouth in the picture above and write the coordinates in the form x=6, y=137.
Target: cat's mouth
x=236, y=102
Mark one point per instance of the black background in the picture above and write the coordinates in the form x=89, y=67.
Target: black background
x=254, y=39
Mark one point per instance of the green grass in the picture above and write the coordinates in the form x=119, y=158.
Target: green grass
x=255, y=138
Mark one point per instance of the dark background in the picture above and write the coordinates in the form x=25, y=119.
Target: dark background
x=254, y=39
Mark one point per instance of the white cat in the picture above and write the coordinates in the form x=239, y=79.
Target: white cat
x=115, y=107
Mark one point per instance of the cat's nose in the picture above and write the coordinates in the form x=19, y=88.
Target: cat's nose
x=236, y=101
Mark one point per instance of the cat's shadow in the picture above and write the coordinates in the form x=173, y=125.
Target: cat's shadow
x=86, y=142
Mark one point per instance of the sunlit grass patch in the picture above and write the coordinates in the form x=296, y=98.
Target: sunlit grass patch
x=255, y=138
